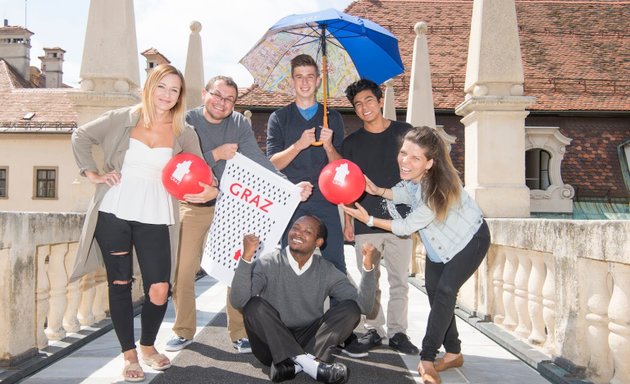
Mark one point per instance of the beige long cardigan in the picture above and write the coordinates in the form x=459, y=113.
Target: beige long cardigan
x=111, y=132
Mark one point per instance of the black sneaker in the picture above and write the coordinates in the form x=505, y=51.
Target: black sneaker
x=284, y=370
x=335, y=373
x=361, y=346
x=401, y=343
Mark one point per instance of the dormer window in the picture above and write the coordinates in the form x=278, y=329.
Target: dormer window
x=544, y=151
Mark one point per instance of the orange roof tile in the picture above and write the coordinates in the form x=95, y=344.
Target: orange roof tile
x=576, y=54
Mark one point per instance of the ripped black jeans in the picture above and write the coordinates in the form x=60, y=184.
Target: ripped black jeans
x=116, y=239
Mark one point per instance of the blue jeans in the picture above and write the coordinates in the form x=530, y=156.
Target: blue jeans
x=443, y=282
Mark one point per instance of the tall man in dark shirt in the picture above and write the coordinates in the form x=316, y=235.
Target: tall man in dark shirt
x=292, y=148
x=374, y=148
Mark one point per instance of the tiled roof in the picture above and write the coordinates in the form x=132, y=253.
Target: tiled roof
x=576, y=54
x=10, y=79
x=53, y=110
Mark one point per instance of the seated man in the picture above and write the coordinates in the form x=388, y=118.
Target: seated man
x=282, y=295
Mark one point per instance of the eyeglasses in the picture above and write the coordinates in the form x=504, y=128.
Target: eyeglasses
x=218, y=96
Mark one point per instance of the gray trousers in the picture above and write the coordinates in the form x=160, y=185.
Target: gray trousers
x=395, y=255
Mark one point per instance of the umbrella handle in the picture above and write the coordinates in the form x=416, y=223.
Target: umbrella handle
x=317, y=142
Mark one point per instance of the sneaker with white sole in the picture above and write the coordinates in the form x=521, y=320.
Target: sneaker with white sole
x=177, y=343
x=359, y=347
x=242, y=345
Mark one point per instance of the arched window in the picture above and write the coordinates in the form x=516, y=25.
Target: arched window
x=537, y=169
x=544, y=151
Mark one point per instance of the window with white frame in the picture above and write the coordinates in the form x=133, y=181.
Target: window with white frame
x=544, y=152
x=537, y=169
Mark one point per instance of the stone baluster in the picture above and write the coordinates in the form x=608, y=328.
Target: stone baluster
x=248, y=115
x=496, y=255
x=58, y=282
x=619, y=325
x=101, y=303
x=86, y=284
x=549, y=304
x=597, y=300
x=509, y=273
x=535, y=300
x=70, y=320
x=42, y=295
x=521, y=302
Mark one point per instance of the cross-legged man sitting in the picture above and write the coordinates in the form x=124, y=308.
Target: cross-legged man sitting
x=282, y=296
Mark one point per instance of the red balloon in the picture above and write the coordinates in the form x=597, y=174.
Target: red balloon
x=341, y=182
x=182, y=174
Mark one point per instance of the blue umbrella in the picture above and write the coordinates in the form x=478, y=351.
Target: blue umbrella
x=346, y=47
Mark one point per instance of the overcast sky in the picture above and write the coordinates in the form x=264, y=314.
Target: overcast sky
x=229, y=29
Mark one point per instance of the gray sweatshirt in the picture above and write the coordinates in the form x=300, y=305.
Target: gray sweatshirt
x=233, y=129
x=298, y=299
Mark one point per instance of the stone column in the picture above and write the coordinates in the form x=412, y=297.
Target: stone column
x=494, y=112
x=110, y=51
x=389, y=101
x=420, y=109
x=194, y=67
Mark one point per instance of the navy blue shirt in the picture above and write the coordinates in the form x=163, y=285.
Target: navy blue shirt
x=286, y=126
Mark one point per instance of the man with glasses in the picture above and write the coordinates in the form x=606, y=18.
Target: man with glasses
x=222, y=132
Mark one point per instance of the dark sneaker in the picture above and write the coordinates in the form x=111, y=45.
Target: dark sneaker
x=335, y=373
x=284, y=370
x=352, y=338
x=401, y=343
x=177, y=343
x=360, y=347
x=242, y=346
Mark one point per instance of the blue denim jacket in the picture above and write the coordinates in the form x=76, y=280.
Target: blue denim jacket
x=446, y=237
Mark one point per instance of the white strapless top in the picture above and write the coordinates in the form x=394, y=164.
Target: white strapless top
x=141, y=196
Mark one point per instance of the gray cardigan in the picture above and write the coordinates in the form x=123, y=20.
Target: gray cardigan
x=111, y=132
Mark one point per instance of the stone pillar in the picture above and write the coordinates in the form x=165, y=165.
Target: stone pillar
x=494, y=112
x=389, y=101
x=420, y=104
x=619, y=325
x=110, y=53
x=194, y=67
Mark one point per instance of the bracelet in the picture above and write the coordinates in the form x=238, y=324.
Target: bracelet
x=383, y=193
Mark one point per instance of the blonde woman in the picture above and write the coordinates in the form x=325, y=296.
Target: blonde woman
x=452, y=229
x=132, y=210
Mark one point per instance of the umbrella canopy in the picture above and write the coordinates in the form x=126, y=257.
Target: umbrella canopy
x=346, y=47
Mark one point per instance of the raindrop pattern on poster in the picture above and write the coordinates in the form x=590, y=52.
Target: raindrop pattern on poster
x=241, y=215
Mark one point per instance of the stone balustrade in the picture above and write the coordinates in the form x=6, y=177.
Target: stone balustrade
x=561, y=286
x=37, y=302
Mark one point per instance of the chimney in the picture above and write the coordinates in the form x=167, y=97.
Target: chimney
x=154, y=58
x=52, y=67
x=15, y=48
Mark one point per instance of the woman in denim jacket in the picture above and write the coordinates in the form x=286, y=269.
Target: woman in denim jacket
x=452, y=228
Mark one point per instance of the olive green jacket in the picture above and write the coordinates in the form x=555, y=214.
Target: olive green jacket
x=111, y=132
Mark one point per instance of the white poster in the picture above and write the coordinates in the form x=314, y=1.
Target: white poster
x=252, y=199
